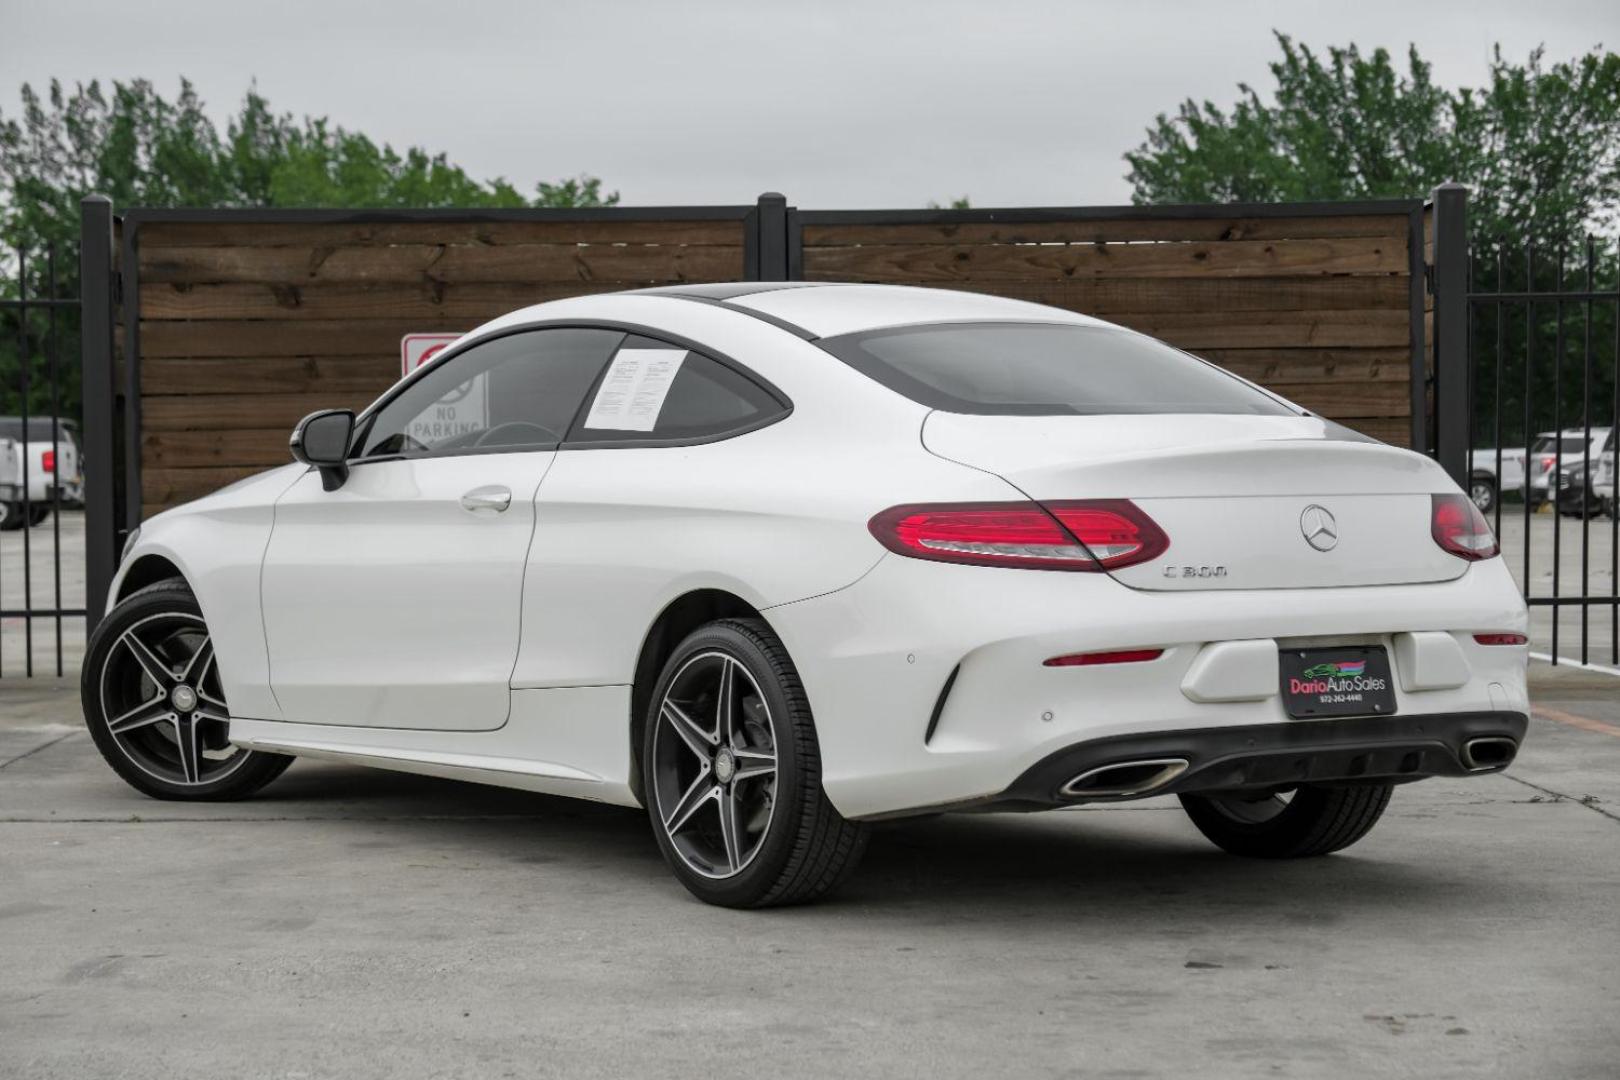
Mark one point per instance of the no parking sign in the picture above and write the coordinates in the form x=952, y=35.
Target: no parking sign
x=462, y=410
x=417, y=349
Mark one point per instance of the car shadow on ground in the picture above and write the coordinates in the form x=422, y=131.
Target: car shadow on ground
x=1120, y=866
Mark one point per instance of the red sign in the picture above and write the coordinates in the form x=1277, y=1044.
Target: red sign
x=417, y=349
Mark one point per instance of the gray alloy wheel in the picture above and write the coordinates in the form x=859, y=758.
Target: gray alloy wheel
x=163, y=704
x=155, y=703
x=713, y=774
x=1482, y=490
x=731, y=774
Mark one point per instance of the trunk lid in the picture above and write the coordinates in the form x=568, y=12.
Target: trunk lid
x=1248, y=502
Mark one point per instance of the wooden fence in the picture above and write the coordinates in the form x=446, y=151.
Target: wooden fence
x=1317, y=306
x=244, y=326
x=241, y=322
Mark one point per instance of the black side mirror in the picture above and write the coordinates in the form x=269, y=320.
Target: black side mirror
x=322, y=439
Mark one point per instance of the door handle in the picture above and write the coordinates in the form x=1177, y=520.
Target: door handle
x=492, y=499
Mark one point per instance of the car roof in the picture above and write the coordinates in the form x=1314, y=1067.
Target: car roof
x=830, y=309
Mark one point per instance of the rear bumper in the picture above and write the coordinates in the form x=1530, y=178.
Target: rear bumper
x=928, y=687
x=1371, y=749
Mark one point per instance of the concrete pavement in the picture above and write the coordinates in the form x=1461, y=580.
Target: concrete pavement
x=351, y=923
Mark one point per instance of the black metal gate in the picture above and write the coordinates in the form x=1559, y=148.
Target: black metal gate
x=42, y=603
x=1527, y=398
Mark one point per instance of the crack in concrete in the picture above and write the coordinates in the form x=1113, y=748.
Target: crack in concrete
x=1577, y=800
x=37, y=749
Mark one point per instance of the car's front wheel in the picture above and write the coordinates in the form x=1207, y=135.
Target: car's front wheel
x=1310, y=820
x=732, y=774
x=1482, y=490
x=154, y=704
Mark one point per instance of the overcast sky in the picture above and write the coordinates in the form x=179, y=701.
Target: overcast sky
x=837, y=104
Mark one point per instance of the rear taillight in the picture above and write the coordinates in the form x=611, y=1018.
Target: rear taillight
x=1113, y=530
x=48, y=461
x=1093, y=535
x=1459, y=528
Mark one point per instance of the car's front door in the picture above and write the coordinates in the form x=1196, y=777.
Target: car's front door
x=395, y=600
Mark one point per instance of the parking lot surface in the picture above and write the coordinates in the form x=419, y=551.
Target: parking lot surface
x=352, y=923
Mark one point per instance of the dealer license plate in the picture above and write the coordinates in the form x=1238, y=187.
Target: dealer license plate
x=1352, y=680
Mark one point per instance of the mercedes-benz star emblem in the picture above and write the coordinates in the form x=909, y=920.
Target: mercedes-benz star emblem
x=1320, y=529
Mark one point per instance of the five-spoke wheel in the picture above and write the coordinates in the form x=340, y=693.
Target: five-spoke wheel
x=732, y=774
x=714, y=764
x=156, y=706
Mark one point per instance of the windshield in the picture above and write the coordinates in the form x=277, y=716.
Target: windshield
x=1039, y=369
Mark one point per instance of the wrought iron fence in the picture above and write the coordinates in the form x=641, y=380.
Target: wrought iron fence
x=42, y=604
x=1541, y=400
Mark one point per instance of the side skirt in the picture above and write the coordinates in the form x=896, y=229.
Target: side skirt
x=572, y=741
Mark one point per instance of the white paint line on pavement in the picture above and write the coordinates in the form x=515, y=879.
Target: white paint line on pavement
x=1564, y=662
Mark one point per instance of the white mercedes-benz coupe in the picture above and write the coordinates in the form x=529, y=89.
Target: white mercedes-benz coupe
x=775, y=561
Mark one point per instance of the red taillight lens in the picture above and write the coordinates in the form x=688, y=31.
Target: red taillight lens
x=1547, y=464
x=48, y=461
x=1501, y=639
x=1459, y=528
x=1086, y=659
x=1113, y=530
x=1097, y=535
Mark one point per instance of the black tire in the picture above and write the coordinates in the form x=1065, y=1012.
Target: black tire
x=1315, y=821
x=11, y=516
x=147, y=752
x=38, y=513
x=805, y=848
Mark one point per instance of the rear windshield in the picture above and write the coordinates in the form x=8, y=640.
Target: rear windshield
x=1034, y=369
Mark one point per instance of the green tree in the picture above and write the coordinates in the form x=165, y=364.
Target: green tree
x=1538, y=145
x=143, y=149
x=129, y=142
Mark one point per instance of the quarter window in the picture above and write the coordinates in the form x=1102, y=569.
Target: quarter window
x=517, y=392
x=654, y=392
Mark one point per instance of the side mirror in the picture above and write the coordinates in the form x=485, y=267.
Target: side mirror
x=322, y=439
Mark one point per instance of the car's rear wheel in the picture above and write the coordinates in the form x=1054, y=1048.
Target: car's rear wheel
x=1310, y=820
x=38, y=513
x=732, y=774
x=11, y=516
x=1482, y=490
x=155, y=706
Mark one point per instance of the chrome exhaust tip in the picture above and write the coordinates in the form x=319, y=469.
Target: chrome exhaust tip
x=1488, y=752
x=1125, y=778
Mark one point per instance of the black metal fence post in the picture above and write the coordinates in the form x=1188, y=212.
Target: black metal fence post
x=101, y=541
x=772, y=219
x=1451, y=330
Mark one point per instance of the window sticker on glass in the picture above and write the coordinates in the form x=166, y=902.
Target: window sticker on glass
x=633, y=390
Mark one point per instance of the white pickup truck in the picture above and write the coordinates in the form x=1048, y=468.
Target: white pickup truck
x=46, y=469
x=1484, y=486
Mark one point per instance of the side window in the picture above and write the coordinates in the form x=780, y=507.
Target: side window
x=654, y=391
x=517, y=392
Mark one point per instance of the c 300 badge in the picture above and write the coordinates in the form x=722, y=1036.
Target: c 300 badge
x=1194, y=571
